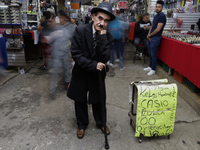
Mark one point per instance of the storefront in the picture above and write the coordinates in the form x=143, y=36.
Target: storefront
x=19, y=20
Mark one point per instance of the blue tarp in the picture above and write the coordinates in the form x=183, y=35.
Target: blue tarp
x=3, y=53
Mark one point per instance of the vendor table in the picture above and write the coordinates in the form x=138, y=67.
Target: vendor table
x=183, y=57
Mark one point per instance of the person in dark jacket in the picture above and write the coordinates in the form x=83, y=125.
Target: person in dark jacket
x=141, y=31
x=91, y=48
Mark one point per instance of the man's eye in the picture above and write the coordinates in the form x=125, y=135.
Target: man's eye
x=107, y=21
x=100, y=18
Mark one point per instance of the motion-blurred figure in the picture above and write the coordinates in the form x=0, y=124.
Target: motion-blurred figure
x=117, y=29
x=60, y=40
x=45, y=29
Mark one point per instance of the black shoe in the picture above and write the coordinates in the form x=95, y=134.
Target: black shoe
x=67, y=85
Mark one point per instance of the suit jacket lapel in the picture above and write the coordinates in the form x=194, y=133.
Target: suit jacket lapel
x=89, y=37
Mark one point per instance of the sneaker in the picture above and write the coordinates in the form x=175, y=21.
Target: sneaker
x=122, y=68
x=110, y=64
x=147, y=69
x=151, y=72
x=117, y=60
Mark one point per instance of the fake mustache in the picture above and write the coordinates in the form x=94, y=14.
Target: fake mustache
x=100, y=26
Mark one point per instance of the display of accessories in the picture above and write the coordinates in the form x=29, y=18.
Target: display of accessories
x=4, y=15
x=10, y=15
x=32, y=17
x=2, y=30
x=8, y=31
x=16, y=31
x=187, y=38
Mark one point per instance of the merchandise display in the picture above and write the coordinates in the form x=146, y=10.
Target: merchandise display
x=10, y=15
x=30, y=14
x=187, y=38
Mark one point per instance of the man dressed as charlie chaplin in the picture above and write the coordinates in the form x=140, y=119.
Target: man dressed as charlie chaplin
x=91, y=48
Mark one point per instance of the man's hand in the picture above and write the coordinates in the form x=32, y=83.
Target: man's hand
x=102, y=32
x=100, y=66
x=145, y=27
x=148, y=38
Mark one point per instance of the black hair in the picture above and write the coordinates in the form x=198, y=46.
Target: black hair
x=160, y=2
x=47, y=14
x=146, y=14
x=121, y=11
x=63, y=13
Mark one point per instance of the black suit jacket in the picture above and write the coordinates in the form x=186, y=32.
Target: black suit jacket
x=84, y=73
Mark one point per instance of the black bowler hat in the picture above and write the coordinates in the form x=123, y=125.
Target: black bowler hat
x=105, y=7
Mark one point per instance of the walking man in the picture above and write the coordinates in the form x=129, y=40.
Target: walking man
x=154, y=36
x=91, y=47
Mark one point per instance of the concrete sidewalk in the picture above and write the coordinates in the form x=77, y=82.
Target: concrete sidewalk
x=30, y=121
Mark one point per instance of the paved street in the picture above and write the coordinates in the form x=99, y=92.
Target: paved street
x=29, y=121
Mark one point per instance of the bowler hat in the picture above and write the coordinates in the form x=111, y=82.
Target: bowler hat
x=105, y=7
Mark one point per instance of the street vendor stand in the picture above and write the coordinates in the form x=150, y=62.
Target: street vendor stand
x=182, y=57
x=153, y=108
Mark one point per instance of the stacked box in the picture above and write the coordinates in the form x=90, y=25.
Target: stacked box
x=178, y=77
x=191, y=86
x=165, y=67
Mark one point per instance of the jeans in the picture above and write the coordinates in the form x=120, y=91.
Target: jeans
x=118, y=47
x=138, y=41
x=153, y=47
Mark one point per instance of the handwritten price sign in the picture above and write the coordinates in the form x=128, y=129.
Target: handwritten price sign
x=156, y=108
x=123, y=5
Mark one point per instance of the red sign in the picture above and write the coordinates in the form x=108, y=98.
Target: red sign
x=123, y=5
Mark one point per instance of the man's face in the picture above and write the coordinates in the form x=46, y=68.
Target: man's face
x=159, y=8
x=146, y=18
x=62, y=20
x=100, y=20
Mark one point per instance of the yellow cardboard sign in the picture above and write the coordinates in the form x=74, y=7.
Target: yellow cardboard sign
x=156, y=108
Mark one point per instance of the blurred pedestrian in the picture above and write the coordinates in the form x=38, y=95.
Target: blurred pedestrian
x=116, y=28
x=87, y=19
x=61, y=38
x=45, y=30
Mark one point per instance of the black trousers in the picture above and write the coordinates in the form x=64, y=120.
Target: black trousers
x=81, y=110
x=138, y=41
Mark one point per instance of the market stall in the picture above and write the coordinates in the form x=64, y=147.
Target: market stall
x=182, y=57
x=10, y=29
x=178, y=49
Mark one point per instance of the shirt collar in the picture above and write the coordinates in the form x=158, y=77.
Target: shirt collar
x=93, y=30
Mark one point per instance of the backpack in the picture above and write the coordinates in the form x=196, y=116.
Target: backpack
x=115, y=28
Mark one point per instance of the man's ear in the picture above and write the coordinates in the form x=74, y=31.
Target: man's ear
x=93, y=16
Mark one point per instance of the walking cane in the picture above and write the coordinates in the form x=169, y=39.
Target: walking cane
x=103, y=108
